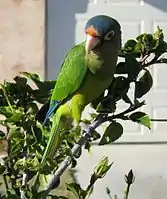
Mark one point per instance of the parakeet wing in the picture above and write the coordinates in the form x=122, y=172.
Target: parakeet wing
x=71, y=75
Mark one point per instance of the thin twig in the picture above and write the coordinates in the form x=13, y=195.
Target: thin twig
x=153, y=61
x=25, y=176
x=24, y=180
x=10, y=162
x=122, y=114
x=143, y=59
x=6, y=97
x=158, y=120
x=127, y=191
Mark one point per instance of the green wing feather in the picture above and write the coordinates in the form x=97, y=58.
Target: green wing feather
x=72, y=73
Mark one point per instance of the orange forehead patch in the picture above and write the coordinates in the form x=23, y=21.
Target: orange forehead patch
x=92, y=32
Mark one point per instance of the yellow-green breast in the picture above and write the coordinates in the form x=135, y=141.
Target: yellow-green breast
x=95, y=83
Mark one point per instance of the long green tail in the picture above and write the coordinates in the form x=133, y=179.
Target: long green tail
x=51, y=147
x=54, y=140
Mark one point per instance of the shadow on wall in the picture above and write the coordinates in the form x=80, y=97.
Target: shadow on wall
x=159, y=4
x=60, y=31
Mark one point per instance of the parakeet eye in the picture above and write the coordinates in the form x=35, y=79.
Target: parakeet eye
x=109, y=35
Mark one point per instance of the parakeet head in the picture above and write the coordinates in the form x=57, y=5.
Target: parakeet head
x=102, y=30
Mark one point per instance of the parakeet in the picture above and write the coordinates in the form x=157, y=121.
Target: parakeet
x=86, y=73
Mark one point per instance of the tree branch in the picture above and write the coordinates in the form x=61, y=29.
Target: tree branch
x=153, y=61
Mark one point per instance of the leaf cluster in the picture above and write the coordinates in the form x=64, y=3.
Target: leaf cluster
x=22, y=137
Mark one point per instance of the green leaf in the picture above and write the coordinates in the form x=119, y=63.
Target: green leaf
x=55, y=197
x=133, y=67
x=34, y=77
x=87, y=146
x=2, y=169
x=148, y=42
x=97, y=101
x=47, y=85
x=17, y=145
x=121, y=68
x=75, y=189
x=160, y=45
x=13, y=115
x=158, y=35
x=20, y=164
x=41, y=97
x=95, y=135
x=11, y=194
x=102, y=168
x=16, y=117
x=130, y=45
x=107, y=105
x=141, y=118
x=20, y=83
x=143, y=85
x=140, y=37
x=138, y=48
x=126, y=99
x=2, y=135
x=6, y=111
x=15, y=133
x=113, y=132
x=40, y=195
x=119, y=88
x=161, y=48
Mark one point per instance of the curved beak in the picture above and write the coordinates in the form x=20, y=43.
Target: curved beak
x=91, y=43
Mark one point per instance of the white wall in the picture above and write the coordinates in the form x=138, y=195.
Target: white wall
x=21, y=37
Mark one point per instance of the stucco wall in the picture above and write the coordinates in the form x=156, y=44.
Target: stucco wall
x=21, y=37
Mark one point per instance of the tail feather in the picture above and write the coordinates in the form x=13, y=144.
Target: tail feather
x=54, y=140
x=51, y=147
x=52, y=108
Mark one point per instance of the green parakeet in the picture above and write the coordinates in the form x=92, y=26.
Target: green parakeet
x=86, y=73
